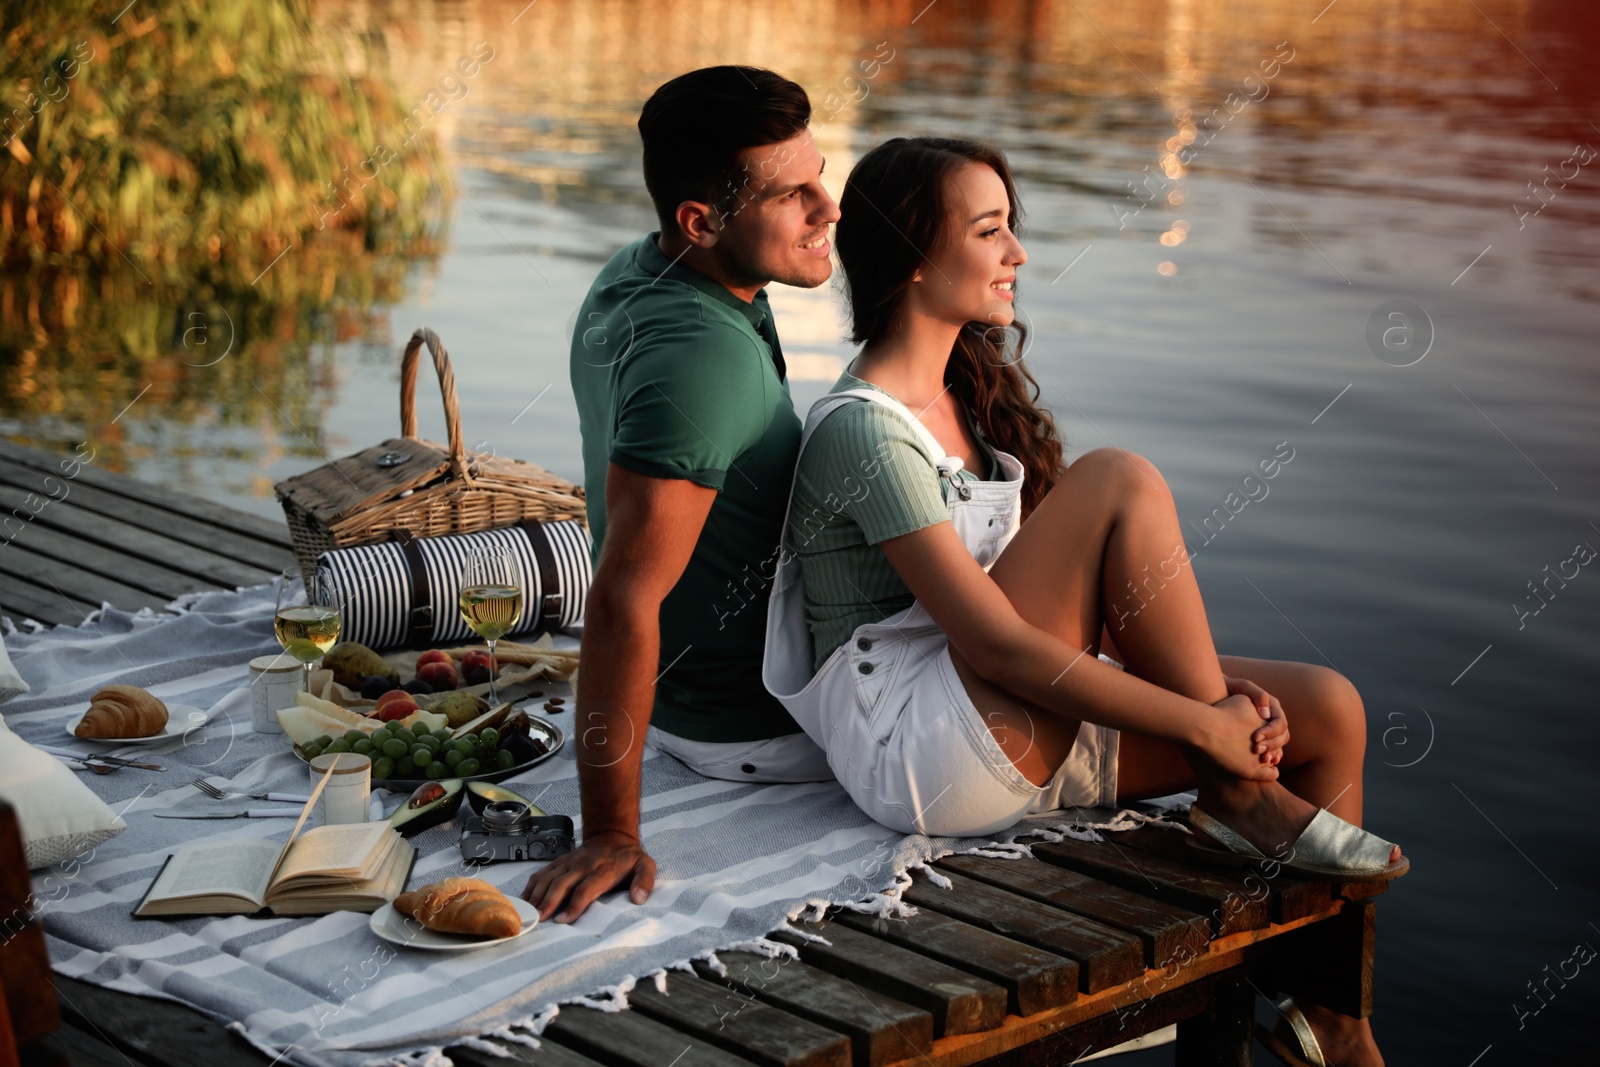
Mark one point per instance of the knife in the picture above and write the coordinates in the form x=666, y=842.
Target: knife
x=248, y=813
x=115, y=761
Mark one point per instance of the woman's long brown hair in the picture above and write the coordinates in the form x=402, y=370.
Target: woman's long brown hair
x=894, y=213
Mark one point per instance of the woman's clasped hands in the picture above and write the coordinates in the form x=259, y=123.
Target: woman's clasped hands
x=1247, y=738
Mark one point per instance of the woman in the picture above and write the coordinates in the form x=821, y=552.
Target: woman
x=941, y=621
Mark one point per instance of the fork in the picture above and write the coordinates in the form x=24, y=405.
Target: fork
x=216, y=793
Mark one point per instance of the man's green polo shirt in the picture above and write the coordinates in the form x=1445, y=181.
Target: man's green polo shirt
x=675, y=377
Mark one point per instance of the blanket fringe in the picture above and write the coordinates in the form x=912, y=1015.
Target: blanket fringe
x=432, y=1056
x=768, y=948
x=611, y=998
x=478, y=1044
x=540, y=1021
x=804, y=934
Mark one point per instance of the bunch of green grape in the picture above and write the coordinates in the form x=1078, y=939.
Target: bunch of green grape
x=417, y=752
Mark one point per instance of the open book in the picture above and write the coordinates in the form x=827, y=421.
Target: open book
x=352, y=867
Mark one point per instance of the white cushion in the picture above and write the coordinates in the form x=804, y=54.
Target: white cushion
x=60, y=817
x=11, y=682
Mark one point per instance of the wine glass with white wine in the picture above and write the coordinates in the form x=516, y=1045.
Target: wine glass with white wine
x=307, y=621
x=491, y=600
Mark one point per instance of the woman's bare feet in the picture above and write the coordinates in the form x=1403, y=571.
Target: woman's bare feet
x=1264, y=813
x=1345, y=1042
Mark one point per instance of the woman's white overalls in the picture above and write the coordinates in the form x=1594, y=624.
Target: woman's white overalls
x=901, y=734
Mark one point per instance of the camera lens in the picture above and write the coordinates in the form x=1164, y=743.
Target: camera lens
x=507, y=817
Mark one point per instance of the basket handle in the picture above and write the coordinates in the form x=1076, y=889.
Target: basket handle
x=447, y=386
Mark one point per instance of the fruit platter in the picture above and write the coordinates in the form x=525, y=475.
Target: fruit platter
x=434, y=725
x=408, y=750
x=360, y=676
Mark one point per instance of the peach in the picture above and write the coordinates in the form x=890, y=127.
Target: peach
x=393, y=695
x=396, y=709
x=433, y=655
x=439, y=675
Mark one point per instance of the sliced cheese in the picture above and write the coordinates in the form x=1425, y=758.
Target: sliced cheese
x=432, y=719
x=331, y=710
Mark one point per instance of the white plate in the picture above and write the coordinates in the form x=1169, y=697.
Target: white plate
x=404, y=930
x=181, y=718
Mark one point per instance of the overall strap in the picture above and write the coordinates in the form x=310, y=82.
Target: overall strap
x=947, y=465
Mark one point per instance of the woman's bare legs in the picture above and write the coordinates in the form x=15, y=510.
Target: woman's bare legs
x=1322, y=763
x=1108, y=525
x=1105, y=550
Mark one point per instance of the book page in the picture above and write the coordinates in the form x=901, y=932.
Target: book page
x=349, y=895
x=345, y=850
x=225, y=868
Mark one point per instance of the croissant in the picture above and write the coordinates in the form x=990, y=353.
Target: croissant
x=122, y=711
x=461, y=906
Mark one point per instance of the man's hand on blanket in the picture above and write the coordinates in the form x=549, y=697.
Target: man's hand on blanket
x=1268, y=741
x=605, y=861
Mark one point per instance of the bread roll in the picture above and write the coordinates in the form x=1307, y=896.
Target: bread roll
x=119, y=711
x=461, y=906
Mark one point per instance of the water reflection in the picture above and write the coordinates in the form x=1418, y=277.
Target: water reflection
x=1208, y=238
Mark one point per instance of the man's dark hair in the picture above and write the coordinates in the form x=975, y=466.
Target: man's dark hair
x=695, y=126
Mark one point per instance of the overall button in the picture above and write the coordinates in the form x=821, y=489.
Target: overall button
x=864, y=643
x=866, y=668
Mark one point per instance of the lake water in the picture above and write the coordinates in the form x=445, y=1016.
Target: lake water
x=1223, y=197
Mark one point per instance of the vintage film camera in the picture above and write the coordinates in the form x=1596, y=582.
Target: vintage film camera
x=508, y=830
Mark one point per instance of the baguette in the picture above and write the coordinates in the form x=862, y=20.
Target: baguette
x=461, y=906
x=119, y=711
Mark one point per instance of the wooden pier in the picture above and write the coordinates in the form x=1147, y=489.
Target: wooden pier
x=74, y=536
x=1023, y=962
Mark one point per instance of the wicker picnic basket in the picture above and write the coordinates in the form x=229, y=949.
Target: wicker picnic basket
x=411, y=487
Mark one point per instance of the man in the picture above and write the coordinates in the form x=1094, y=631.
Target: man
x=689, y=446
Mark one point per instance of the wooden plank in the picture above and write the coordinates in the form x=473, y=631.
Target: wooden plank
x=177, y=525
x=157, y=1032
x=1034, y=980
x=881, y=1029
x=141, y=574
x=47, y=573
x=24, y=600
x=740, y=1024
x=632, y=1039
x=1289, y=897
x=1221, y=1036
x=1135, y=1006
x=1164, y=929
x=548, y=1054
x=960, y=1003
x=71, y=1047
x=242, y=522
x=141, y=543
x=1106, y=956
x=1228, y=910
x=1069, y=1044
x=1331, y=962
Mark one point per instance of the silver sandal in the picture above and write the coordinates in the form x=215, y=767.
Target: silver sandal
x=1306, y=1050
x=1329, y=849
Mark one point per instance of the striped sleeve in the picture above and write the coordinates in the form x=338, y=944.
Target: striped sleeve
x=864, y=459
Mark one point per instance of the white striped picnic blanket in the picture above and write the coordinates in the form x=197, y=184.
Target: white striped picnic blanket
x=736, y=860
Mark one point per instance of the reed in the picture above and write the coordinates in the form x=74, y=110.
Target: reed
x=197, y=139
